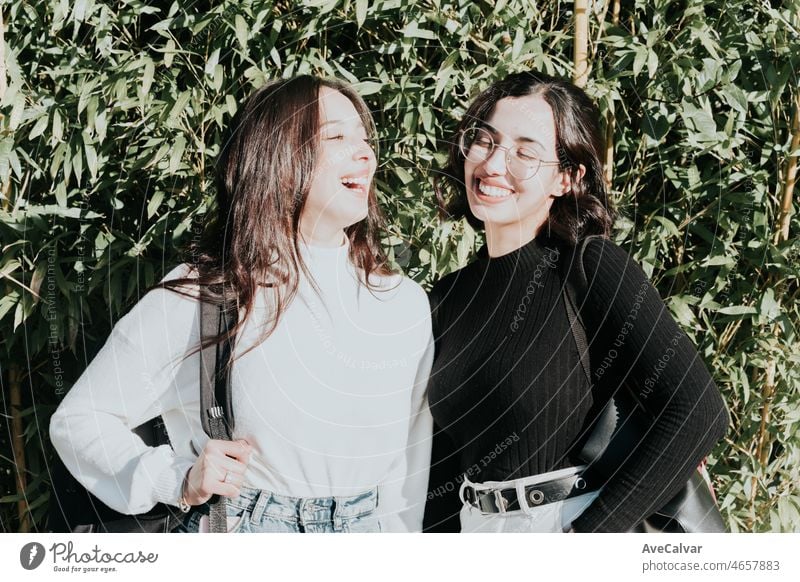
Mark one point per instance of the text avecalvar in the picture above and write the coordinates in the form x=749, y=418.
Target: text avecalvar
x=671, y=549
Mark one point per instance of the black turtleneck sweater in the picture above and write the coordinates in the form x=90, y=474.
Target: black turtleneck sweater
x=510, y=398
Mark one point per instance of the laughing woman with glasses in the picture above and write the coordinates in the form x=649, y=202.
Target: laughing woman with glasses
x=507, y=391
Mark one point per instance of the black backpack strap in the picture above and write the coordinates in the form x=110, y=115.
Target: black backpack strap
x=216, y=408
x=574, y=288
x=597, y=435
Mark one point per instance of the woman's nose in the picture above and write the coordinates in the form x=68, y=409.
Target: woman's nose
x=495, y=162
x=363, y=151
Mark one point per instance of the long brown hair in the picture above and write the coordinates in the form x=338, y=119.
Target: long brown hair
x=583, y=211
x=263, y=177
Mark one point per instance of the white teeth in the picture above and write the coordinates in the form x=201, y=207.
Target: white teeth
x=493, y=191
x=359, y=181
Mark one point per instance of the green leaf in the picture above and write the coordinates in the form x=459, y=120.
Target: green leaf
x=79, y=10
x=101, y=125
x=519, y=42
x=402, y=173
x=769, y=308
x=718, y=261
x=652, y=63
x=699, y=119
x=680, y=309
x=39, y=127
x=361, y=12
x=61, y=194
x=738, y=310
x=212, y=61
x=155, y=202
x=444, y=75
x=77, y=165
x=147, y=78
x=91, y=161
x=59, y=211
x=176, y=154
x=17, y=111
x=180, y=105
x=275, y=56
x=414, y=31
x=159, y=155
x=242, y=31
x=639, y=61
x=693, y=175
x=368, y=88
x=8, y=302
x=670, y=226
x=169, y=53
x=58, y=129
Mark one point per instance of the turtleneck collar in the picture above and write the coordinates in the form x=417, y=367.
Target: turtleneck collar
x=328, y=265
x=539, y=251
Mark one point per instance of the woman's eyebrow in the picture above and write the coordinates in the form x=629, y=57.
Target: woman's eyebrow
x=336, y=121
x=493, y=130
x=530, y=140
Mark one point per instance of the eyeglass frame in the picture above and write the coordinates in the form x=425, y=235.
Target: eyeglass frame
x=496, y=146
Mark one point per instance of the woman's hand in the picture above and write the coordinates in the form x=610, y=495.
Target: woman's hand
x=219, y=470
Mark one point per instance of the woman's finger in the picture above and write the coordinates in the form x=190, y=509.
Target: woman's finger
x=239, y=450
x=235, y=479
x=219, y=465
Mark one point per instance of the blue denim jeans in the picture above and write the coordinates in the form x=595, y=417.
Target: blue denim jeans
x=259, y=511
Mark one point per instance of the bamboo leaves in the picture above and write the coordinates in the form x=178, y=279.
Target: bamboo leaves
x=115, y=113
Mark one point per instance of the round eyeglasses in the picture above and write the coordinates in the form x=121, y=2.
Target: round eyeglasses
x=477, y=145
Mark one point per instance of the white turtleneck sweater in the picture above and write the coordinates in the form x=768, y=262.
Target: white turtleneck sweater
x=333, y=402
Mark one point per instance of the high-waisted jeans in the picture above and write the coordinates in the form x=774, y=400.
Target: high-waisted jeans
x=552, y=517
x=257, y=511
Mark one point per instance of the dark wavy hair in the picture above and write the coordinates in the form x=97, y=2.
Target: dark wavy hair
x=583, y=211
x=263, y=177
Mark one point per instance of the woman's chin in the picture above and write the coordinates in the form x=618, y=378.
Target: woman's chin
x=494, y=216
x=352, y=217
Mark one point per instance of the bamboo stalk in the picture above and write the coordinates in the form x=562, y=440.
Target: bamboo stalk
x=790, y=177
x=781, y=235
x=762, y=448
x=608, y=164
x=581, y=53
x=727, y=335
x=754, y=376
x=2, y=57
x=5, y=190
x=6, y=194
x=615, y=12
x=611, y=121
x=18, y=444
x=601, y=19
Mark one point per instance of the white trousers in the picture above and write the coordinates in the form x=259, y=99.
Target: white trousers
x=552, y=517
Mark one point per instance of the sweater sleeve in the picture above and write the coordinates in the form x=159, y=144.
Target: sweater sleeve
x=403, y=493
x=443, y=504
x=638, y=332
x=123, y=387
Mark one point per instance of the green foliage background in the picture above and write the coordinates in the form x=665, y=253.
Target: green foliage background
x=111, y=124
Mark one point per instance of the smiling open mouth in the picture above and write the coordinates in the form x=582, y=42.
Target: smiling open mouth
x=493, y=191
x=359, y=184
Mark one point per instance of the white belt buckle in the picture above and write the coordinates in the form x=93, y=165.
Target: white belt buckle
x=500, y=501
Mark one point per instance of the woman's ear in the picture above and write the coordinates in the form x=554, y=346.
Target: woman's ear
x=567, y=183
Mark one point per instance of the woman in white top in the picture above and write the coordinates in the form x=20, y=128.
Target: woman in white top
x=331, y=356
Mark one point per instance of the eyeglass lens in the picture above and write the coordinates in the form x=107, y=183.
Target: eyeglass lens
x=477, y=144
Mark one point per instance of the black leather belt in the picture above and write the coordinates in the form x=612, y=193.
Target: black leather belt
x=503, y=500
